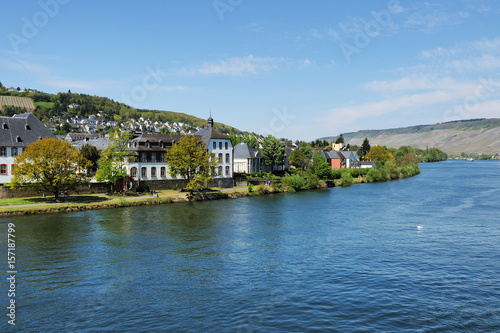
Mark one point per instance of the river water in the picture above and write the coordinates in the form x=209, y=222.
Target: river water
x=333, y=260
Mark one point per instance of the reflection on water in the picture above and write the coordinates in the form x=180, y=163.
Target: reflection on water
x=341, y=259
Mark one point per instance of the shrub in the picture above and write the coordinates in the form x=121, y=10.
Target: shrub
x=295, y=182
x=312, y=181
x=376, y=175
x=261, y=189
x=142, y=188
x=174, y=187
x=346, y=179
x=250, y=188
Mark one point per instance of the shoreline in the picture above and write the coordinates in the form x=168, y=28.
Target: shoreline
x=231, y=193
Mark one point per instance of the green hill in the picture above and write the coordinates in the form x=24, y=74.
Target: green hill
x=454, y=137
x=45, y=106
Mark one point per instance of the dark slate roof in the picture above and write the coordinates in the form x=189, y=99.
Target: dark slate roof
x=334, y=155
x=243, y=150
x=208, y=133
x=158, y=138
x=22, y=130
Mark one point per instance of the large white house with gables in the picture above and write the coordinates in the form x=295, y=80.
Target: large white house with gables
x=16, y=133
x=150, y=166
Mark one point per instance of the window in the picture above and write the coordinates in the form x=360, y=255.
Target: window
x=18, y=139
x=220, y=170
x=153, y=157
x=220, y=145
x=143, y=157
x=220, y=158
x=3, y=169
x=153, y=172
x=28, y=128
x=3, y=152
x=133, y=172
x=5, y=126
x=227, y=158
x=13, y=152
x=227, y=145
x=144, y=172
x=215, y=145
x=163, y=172
x=227, y=171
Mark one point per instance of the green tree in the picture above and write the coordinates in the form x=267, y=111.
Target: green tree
x=340, y=139
x=251, y=140
x=66, y=127
x=273, y=151
x=301, y=158
x=378, y=154
x=92, y=155
x=114, y=159
x=189, y=159
x=50, y=165
x=365, y=147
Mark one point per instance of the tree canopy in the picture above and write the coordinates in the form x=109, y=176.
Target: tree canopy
x=273, y=151
x=365, y=147
x=189, y=159
x=50, y=165
x=114, y=158
x=378, y=154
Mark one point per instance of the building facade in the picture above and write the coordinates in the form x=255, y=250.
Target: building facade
x=16, y=133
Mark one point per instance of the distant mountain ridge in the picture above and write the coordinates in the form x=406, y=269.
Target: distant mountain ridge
x=454, y=137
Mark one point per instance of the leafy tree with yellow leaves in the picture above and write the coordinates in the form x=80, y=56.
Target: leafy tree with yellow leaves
x=50, y=165
x=189, y=159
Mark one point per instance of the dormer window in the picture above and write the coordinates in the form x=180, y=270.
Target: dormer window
x=5, y=126
x=18, y=139
x=28, y=128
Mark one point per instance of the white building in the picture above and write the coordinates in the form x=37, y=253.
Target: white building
x=247, y=159
x=16, y=133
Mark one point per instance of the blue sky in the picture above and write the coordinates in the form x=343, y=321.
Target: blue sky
x=294, y=69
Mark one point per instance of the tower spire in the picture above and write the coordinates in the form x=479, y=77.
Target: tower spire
x=210, y=121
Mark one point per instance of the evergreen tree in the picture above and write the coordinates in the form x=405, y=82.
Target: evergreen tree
x=340, y=139
x=365, y=147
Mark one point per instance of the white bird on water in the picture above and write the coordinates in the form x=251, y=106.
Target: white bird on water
x=420, y=227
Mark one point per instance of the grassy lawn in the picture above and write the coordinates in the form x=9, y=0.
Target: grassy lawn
x=40, y=200
x=45, y=104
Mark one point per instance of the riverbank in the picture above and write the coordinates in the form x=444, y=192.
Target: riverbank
x=36, y=205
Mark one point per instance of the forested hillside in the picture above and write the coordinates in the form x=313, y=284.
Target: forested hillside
x=70, y=104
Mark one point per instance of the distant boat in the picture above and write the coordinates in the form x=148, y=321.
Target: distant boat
x=420, y=227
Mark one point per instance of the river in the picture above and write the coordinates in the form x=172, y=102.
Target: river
x=332, y=260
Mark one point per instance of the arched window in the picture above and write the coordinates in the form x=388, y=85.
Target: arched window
x=133, y=172
x=153, y=172
x=227, y=171
x=18, y=139
x=220, y=158
x=227, y=158
x=220, y=171
x=163, y=172
x=28, y=128
x=5, y=126
x=144, y=172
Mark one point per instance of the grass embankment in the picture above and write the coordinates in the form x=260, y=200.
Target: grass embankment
x=37, y=205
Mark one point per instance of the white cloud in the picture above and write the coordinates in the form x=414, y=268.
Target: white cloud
x=236, y=66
